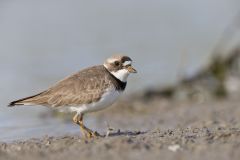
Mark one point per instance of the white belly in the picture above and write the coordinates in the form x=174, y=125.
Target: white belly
x=107, y=99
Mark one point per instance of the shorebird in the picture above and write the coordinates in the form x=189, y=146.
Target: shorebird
x=89, y=90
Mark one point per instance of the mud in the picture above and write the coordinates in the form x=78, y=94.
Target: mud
x=155, y=129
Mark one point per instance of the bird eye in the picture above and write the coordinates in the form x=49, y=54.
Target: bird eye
x=116, y=63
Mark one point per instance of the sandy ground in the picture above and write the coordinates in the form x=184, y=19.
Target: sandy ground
x=147, y=129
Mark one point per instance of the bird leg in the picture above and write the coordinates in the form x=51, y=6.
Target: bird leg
x=88, y=133
x=77, y=119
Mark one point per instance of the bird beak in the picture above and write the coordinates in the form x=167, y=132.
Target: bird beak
x=131, y=69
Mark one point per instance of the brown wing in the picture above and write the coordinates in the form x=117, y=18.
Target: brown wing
x=83, y=87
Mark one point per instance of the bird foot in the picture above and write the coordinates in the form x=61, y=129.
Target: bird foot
x=92, y=134
x=86, y=132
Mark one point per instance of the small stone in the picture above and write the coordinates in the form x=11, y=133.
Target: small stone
x=174, y=148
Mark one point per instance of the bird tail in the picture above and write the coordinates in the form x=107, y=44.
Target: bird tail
x=24, y=101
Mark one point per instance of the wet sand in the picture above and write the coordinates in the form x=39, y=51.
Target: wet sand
x=147, y=129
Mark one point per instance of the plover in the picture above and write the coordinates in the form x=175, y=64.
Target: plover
x=88, y=90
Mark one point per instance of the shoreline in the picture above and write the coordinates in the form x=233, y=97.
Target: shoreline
x=187, y=143
x=186, y=129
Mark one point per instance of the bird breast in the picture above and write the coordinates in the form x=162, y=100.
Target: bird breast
x=107, y=99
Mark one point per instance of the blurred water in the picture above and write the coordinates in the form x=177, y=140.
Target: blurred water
x=44, y=41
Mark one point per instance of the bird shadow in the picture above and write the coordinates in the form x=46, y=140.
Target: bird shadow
x=123, y=133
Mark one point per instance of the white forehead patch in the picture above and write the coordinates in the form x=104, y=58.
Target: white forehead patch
x=127, y=63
